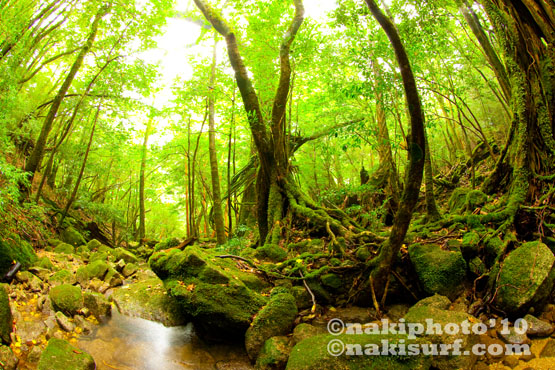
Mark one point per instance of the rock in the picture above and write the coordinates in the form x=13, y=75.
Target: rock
x=475, y=199
x=13, y=248
x=122, y=254
x=59, y=354
x=7, y=358
x=351, y=315
x=477, y=267
x=95, y=269
x=35, y=284
x=61, y=277
x=72, y=237
x=510, y=361
x=220, y=298
x=438, y=271
x=537, y=327
x=93, y=244
x=149, y=300
x=6, y=319
x=166, y=244
x=512, y=337
x=315, y=353
x=302, y=297
x=97, y=304
x=273, y=354
x=113, y=278
x=331, y=281
x=120, y=265
x=45, y=263
x=527, y=357
x=64, y=322
x=129, y=269
x=64, y=248
x=470, y=245
x=66, y=298
x=100, y=256
x=549, y=349
x=23, y=276
x=493, y=249
x=274, y=319
x=433, y=308
x=82, y=323
x=271, y=252
x=34, y=355
x=29, y=330
x=526, y=279
x=304, y=331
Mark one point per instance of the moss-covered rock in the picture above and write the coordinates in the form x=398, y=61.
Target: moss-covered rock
x=477, y=267
x=331, y=281
x=5, y=316
x=66, y=298
x=304, y=331
x=166, y=244
x=315, y=353
x=101, y=256
x=271, y=252
x=457, y=200
x=526, y=278
x=95, y=269
x=470, y=245
x=363, y=253
x=302, y=297
x=97, y=304
x=148, y=300
x=93, y=244
x=60, y=355
x=122, y=254
x=45, y=263
x=438, y=271
x=61, y=277
x=64, y=248
x=71, y=236
x=274, y=354
x=13, y=248
x=475, y=199
x=274, y=319
x=222, y=308
x=493, y=249
x=433, y=308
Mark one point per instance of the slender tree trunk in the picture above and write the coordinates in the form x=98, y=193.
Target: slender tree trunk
x=142, y=210
x=214, y=173
x=34, y=160
x=431, y=206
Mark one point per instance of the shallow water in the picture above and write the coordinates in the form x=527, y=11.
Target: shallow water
x=126, y=343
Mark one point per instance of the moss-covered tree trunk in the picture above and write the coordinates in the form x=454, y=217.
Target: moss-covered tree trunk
x=416, y=146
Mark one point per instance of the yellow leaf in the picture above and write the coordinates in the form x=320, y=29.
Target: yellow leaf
x=313, y=308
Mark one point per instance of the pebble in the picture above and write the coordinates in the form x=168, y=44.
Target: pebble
x=537, y=327
x=512, y=337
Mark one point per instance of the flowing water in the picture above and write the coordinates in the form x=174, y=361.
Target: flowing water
x=130, y=343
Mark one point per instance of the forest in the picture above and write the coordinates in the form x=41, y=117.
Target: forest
x=256, y=184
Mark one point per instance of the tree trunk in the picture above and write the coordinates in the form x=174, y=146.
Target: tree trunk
x=214, y=174
x=416, y=151
x=432, y=212
x=142, y=210
x=34, y=160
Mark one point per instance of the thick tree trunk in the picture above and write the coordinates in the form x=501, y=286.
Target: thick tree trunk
x=416, y=150
x=34, y=160
x=214, y=174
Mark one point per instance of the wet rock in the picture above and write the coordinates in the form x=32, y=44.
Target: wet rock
x=511, y=336
x=59, y=354
x=64, y=322
x=526, y=278
x=7, y=358
x=438, y=271
x=315, y=353
x=71, y=236
x=61, y=277
x=537, y=327
x=82, y=323
x=434, y=308
x=66, y=298
x=130, y=269
x=29, y=330
x=274, y=319
x=64, y=248
x=5, y=315
x=149, y=300
x=274, y=354
x=220, y=298
x=34, y=355
x=97, y=304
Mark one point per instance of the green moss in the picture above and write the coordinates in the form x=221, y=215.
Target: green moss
x=271, y=252
x=120, y=253
x=438, y=271
x=66, y=298
x=274, y=319
x=59, y=354
x=457, y=200
x=166, y=244
x=100, y=256
x=93, y=244
x=493, y=250
x=470, y=245
x=274, y=354
x=71, y=236
x=64, y=248
x=332, y=281
x=475, y=199
x=45, y=263
x=312, y=354
x=5, y=316
x=61, y=277
x=13, y=248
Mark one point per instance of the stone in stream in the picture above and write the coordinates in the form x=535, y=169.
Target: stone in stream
x=5, y=316
x=220, y=298
x=95, y=269
x=274, y=319
x=34, y=355
x=64, y=322
x=82, y=323
x=7, y=358
x=537, y=327
x=525, y=280
x=60, y=355
x=97, y=304
x=66, y=298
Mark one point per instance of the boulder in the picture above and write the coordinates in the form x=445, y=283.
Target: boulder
x=274, y=354
x=71, y=236
x=304, y=331
x=220, y=298
x=45, y=263
x=537, y=327
x=7, y=358
x=64, y=248
x=274, y=319
x=66, y=298
x=60, y=355
x=149, y=300
x=434, y=308
x=129, y=269
x=61, y=277
x=526, y=279
x=438, y=271
x=93, y=244
x=97, y=304
x=356, y=352
x=271, y=252
x=95, y=269
x=470, y=245
x=122, y=254
x=6, y=319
